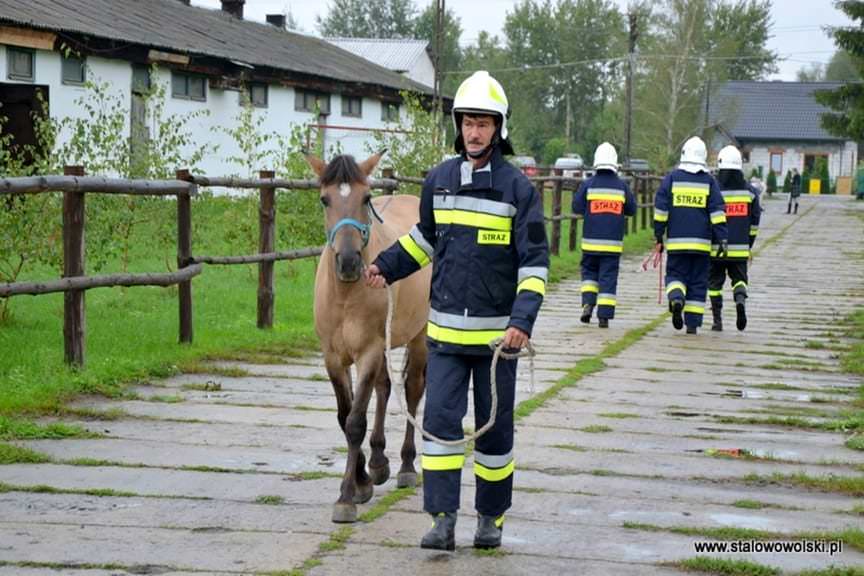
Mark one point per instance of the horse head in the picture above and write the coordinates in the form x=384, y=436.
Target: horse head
x=348, y=208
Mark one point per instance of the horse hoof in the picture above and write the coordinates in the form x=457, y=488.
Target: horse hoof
x=363, y=493
x=406, y=480
x=344, y=513
x=380, y=475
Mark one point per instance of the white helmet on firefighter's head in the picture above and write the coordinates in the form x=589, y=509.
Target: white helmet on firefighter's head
x=730, y=159
x=482, y=94
x=694, y=155
x=605, y=157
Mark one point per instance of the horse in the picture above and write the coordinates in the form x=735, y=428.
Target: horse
x=350, y=320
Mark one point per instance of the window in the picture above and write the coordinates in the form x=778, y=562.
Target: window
x=308, y=101
x=352, y=106
x=19, y=64
x=389, y=112
x=777, y=162
x=73, y=70
x=188, y=86
x=258, y=95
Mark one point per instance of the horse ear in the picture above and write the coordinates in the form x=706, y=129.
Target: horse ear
x=316, y=163
x=368, y=165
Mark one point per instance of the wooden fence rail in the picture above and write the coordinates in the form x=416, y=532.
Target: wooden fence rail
x=75, y=186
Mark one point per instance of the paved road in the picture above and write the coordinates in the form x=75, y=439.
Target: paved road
x=605, y=469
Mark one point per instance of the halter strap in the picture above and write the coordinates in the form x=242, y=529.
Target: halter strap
x=359, y=226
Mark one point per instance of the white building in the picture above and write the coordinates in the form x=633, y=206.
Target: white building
x=777, y=126
x=207, y=60
x=406, y=56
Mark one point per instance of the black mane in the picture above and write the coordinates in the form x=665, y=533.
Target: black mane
x=342, y=169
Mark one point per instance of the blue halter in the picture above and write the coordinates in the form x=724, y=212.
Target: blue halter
x=360, y=226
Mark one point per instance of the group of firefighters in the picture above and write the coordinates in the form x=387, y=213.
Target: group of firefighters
x=482, y=228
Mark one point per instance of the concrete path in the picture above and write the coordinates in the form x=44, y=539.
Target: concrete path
x=238, y=475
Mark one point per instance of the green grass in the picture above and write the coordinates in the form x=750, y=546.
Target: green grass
x=165, y=399
x=570, y=447
x=595, y=429
x=15, y=429
x=11, y=454
x=723, y=567
x=855, y=442
x=850, y=485
x=270, y=500
x=620, y=415
x=385, y=503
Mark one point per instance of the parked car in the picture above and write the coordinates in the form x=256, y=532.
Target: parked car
x=638, y=165
x=570, y=165
x=525, y=163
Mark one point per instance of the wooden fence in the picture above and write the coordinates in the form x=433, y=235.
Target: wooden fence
x=74, y=186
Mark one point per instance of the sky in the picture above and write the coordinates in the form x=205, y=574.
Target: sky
x=797, y=32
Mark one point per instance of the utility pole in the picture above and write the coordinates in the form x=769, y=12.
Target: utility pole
x=633, y=17
x=438, y=98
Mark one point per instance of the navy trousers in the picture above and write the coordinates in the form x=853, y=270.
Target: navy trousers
x=600, y=282
x=687, y=280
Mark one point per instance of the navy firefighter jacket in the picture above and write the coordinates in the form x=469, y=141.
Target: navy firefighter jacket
x=605, y=201
x=483, y=232
x=743, y=213
x=689, y=208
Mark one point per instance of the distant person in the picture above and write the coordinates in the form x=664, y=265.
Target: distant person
x=689, y=211
x=605, y=201
x=742, y=222
x=796, y=191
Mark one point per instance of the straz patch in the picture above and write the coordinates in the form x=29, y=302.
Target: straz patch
x=687, y=199
x=493, y=237
x=607, y=207
x=736, y=209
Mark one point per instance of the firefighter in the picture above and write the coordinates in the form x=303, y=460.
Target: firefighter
x=481, y=226
x=742, y=221
x=604, y=201
x=689, y=211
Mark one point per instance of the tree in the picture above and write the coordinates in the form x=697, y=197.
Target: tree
x=741, y=29
x=451, y=53
x=772, y=182
x=847, y=102
x=369, y=19
x=815, y=72
x=842, y=68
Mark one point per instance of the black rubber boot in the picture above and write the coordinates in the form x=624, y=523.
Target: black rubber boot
x=587, y=311
x=442, y=535
x=677, y=308
x=717, y=313
x=691, y=329
x=740, y=312
x=796, y=208
x=603, y=322
x=489, y=530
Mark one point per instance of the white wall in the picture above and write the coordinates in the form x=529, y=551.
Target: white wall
x=423, y=71
x=223, y=106
x=842, y=159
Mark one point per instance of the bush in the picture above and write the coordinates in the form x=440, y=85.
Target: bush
x=554, y=149
x=787, y=182
x=805, y=182
x=821, y=171
x=772, y=182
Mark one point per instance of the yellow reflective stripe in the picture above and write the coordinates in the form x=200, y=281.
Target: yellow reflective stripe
x=602, y=248
x=676, y=286
x=737, y=199
x=694, y=309
x=602, y=196
x=449, y=462
x=474, y=219
x=606, y=301
x=715, y=292
x=661, y=217
x=719, y=219
x=411, y=246
x=462, y=337
x=739, y=283
x=494, y=474
x=499, y=521
x=688, y=246
x=738, y=254
x=533, y=284
x=684, y=189
x=590, y=288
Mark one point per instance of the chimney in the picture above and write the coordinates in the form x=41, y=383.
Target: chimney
x=186, y=2
x=277, y=20
x=234, y=8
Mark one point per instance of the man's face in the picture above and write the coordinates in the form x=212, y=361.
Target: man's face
x=477, y=132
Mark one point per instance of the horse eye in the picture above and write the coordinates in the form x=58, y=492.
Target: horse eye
x=325, y=201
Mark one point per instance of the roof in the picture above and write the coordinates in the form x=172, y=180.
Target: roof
x=770, y=110
x=398, y=54
x=172, y=25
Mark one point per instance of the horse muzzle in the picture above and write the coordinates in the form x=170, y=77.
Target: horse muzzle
x=349, y=266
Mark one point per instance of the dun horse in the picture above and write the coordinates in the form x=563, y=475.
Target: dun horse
x=350, y=319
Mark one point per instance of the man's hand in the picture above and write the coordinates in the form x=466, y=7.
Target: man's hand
x=373, y=276
x=515, y=338
x=658, y=247
x=722, y=249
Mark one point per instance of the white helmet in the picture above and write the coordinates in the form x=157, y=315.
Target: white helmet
x=729, y=159
x=480, y=93
x=694, y=155
x=605, y=157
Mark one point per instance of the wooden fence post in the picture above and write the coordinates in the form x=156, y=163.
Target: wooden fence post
x=74, y=319
x=266, y=244
x=574, y=225
x=387, y=173
x=184, y=257
x=556, y=211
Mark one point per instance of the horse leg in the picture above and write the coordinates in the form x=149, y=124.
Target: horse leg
x=379, y=465
x=415, y=384
x=356, y=485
